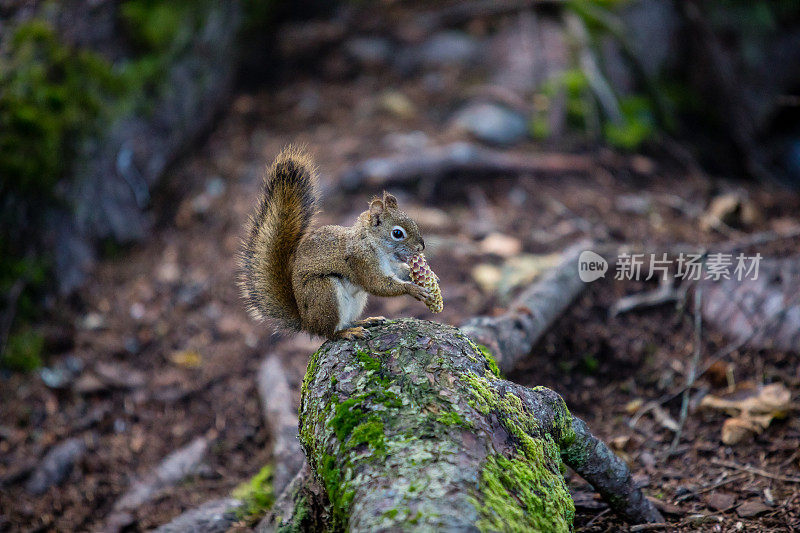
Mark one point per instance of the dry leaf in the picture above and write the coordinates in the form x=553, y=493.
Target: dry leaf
x=187, y=358
x=500, y=244
x=634, y=405
x=752, y=414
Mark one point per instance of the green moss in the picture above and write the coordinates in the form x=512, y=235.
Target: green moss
x=526, y=492
x=519, y=496
x=23, y=351
x=489, y=359
x=300, y=518
x=452, y=418
x=257, y=495
x=370, y=433
x=369, y=363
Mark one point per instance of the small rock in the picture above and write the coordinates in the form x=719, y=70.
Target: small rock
x=667, y=508
x=61, y=375
x=175, y=467
x=215, y=187
x=492, y=123
x=93, y=321
x=752, y=508
x=216, y=516
x=638, y=204
x=406, y=142
x=369, y=51
x=56, y=465
x=447, y=49
x=720, y=501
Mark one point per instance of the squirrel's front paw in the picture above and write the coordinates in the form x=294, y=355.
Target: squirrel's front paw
x=420, y=293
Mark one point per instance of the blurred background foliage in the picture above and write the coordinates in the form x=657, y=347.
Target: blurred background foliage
x=716, y=83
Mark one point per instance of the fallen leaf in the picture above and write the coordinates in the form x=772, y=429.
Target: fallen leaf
x=187, y=358
x=487, y=276
x=751, y=508
x=753, y=413
x=500, y=244
x=729, y=209
x=516, y=272
x=720, y=501
x=634, y=405
x=620, y=443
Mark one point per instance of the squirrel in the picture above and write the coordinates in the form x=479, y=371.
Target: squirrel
x=317, y=280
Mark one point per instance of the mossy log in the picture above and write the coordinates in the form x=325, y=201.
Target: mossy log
x=412, y=428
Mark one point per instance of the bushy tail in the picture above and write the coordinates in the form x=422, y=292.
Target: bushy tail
x=283, y=215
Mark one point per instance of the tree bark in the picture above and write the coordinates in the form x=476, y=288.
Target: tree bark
x=411, y=428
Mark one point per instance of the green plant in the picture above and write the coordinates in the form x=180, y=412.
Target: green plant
x=257, y=495
x=23, y=351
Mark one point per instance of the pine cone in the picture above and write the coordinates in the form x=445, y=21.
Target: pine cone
x=422, y=275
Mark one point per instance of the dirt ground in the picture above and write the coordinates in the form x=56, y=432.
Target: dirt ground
x=150, y=305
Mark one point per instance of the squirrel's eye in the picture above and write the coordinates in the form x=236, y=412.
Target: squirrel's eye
x=398, y=233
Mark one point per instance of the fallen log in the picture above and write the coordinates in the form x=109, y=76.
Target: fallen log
x=412, y=429
x=460, y=158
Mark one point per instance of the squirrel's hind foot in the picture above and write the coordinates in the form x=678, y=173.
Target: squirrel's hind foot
x=371, y=321
x=349, y=334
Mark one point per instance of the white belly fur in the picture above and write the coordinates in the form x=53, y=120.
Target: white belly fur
x=352, y=300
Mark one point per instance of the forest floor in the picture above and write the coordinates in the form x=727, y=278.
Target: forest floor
x=168, y=353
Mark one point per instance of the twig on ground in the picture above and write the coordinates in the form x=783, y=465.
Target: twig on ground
x=711, y=487
x=597, y=517
x=649, y=527
x=659, y=414
x=665, y=294
x=754, y=470
x=698, y=339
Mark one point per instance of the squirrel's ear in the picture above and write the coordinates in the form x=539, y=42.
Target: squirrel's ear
x=389, y=201
x=376, y=209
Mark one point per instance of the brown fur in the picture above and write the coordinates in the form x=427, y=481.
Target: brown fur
x=285, y=209
x=315, y=280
